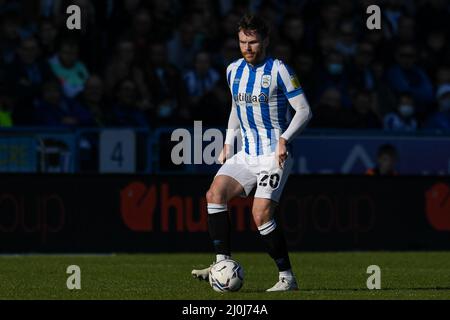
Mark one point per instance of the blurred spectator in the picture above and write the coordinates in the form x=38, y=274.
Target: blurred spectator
x=141, y=33
x=406, y=31
x=50, y=8
x=403, y=118
x=153, y=43
x=229, y=25
x=126, y=110
x=441, y=119
x=167, y=90
x=407, y=76
x=361, y=74
x=214, y=106
x=68, y=69
x=9, y=37
x=228, y=53
x=325, y=44
x=163, y=16
x=364, y=113
x=333, y=74
x=330, y=14
x=47, y=34
x=294, y=32
x=386, y=162
x=121, y=65
x=303, y=65
x=436, y=51
x=90, y=37
x=283, y=51
x=329, y=112
x=93, y=100
x=393, y=12
x=25, y=76
x=202, y=79
x=27, y=70
x=381, y=46
x=385, y=97
x=348, y=8
x=184, y=45
x=346, y=45
x=54, y=109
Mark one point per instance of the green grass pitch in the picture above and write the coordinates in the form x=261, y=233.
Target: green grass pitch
x=404, y=275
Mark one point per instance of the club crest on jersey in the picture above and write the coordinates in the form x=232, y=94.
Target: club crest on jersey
x=266, y=80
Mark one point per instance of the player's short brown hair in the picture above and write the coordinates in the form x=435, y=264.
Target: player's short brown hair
x=253, y=22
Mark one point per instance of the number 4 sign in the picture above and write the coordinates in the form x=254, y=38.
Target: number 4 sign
x=117, y=151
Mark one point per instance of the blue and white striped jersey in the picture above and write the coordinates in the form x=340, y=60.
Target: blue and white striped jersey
x=261, y=96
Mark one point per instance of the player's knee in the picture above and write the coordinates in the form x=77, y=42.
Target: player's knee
x=212, y=196
x=261, y=216
x=209, y=196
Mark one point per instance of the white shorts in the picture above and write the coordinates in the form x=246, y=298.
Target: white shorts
x=261, y=171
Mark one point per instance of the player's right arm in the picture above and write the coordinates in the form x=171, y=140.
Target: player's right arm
x=233, y=121
x=232, y=132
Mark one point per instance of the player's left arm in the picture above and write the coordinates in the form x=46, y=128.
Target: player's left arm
x=294, y=93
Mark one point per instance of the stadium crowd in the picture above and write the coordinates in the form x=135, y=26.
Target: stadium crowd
x=154, y=63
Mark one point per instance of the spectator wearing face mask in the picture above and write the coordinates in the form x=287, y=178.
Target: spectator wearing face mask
x=403, y=118
x=441, y=119
x=334, y=75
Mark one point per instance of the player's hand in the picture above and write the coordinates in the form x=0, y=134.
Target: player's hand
x=281, y=152
x=224, y=154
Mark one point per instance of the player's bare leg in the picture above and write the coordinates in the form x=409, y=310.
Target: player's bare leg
x=263, y=212
x=222, y=190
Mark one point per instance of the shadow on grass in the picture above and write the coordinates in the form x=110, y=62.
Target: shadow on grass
x=382, y=289
x=351, y=289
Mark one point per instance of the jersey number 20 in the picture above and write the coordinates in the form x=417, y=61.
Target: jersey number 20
x=273, y=180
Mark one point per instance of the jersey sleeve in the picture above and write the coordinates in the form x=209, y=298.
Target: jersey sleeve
x=288, y=81
x=228, y=74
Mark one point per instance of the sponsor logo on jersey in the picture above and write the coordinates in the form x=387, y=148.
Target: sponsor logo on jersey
x=249, y=98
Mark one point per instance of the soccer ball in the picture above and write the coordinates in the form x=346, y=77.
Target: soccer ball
x=226, y=275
